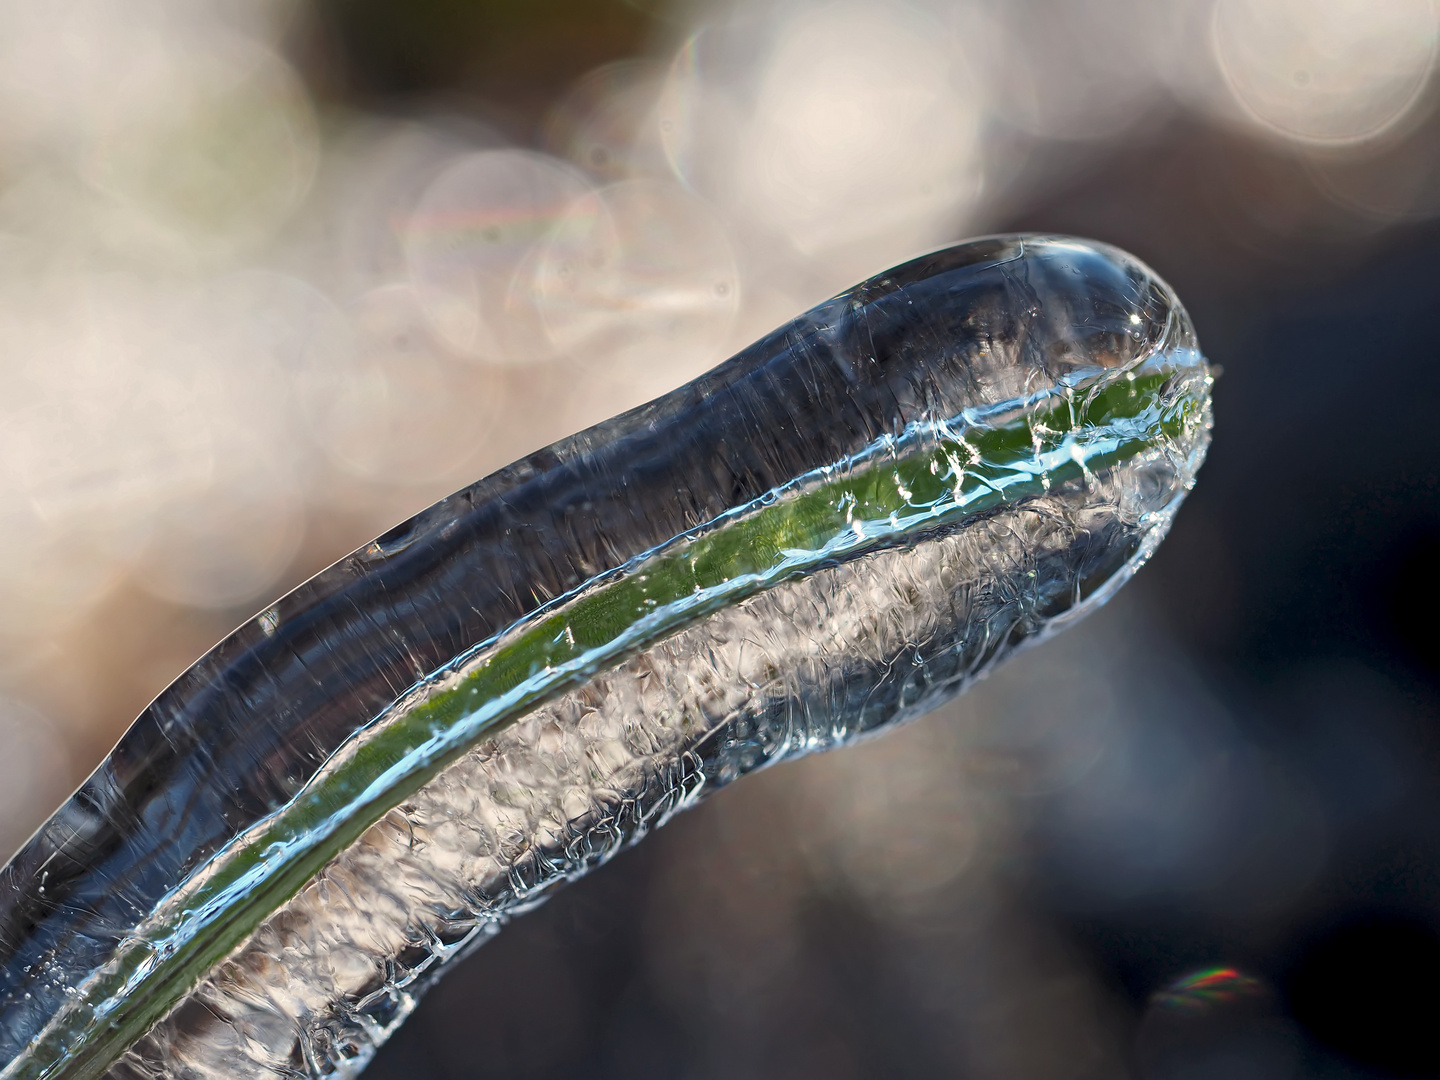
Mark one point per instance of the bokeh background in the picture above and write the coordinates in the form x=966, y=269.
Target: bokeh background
x=275, y=274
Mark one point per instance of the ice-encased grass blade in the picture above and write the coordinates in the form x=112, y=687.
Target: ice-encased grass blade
x=894, y=494
x=936, y=474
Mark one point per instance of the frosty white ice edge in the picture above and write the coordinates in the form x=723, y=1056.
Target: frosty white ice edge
x=837, y=528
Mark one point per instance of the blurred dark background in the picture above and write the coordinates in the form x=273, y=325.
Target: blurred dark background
x=1196, y=837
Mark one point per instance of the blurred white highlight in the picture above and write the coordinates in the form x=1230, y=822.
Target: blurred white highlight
x=856, y=132
x=470, y=245
x=210, y=146
x=607, y=125
x=1072, y=70
x=1328, y=71
x=639, y=279
x=401, y=414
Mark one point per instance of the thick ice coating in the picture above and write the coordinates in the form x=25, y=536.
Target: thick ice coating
x=834, y=530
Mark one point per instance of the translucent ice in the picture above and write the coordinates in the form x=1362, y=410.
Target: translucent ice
x=835, y=530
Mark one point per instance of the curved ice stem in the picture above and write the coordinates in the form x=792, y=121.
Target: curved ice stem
x=836, y=529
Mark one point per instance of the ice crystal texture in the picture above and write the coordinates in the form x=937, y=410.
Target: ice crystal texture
x=835, y=530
